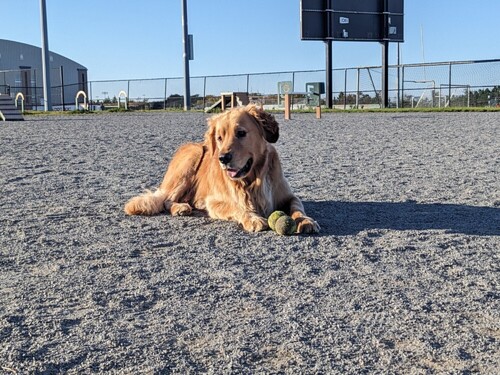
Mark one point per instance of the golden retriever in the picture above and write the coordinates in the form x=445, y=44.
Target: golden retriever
x=235, y=174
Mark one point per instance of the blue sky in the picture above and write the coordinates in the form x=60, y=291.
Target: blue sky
x=143, y=38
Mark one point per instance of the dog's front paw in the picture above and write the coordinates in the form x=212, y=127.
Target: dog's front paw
x=307, y=225
x=253, y=223
x=178, y=209
x=181, y=209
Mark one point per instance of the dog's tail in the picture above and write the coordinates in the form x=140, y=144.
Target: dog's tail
x=148, y=203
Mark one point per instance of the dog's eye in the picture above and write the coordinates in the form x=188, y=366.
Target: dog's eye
x=219, y=138
x=241, y=133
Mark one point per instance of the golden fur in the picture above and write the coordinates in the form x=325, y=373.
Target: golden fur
x=235, y=174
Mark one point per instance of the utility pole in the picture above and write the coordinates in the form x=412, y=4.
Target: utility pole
x=47, y=99
x=185, y=43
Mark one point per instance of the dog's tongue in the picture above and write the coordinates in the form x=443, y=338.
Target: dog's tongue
x=232, y=172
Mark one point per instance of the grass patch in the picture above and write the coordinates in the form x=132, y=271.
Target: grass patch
x=397, y=110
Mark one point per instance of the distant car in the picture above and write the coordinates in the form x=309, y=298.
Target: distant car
x=494, y=102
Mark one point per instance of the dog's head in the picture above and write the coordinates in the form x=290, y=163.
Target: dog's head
x=238, y=139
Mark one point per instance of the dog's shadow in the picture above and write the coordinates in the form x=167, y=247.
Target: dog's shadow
x=348, y=218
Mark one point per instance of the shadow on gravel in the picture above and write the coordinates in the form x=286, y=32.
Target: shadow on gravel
x=347, y=218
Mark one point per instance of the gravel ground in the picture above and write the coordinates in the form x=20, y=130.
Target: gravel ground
x=403, y=279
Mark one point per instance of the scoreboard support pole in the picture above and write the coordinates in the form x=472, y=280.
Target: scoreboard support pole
x=385, y=74
x=329, y=77
x=385, y=56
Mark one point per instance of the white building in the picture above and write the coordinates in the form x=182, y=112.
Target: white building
x=21, y=71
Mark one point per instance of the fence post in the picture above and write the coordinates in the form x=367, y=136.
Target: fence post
x=204, y=92
x=357, y=90
x=61, y=73
x=128, y=88
x=402, y=86
x=449, y=86
x=165, y=95
x=31, y=100
x=288, y=98
x=345, y=88
x=90, y=92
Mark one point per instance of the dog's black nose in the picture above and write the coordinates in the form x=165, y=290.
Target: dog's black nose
x=225, y=158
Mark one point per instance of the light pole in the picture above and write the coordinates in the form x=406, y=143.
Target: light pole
x=185, y=43
x=47, y=99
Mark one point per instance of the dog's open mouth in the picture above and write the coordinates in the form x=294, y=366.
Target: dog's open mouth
x=237, y=173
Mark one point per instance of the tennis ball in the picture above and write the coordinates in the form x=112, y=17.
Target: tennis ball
x=285, y=225
x=273, y=217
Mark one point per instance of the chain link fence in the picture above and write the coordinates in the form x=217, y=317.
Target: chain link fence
x=28, y=83
x=446, y=84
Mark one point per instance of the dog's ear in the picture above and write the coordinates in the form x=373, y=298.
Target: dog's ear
x=210, y=136
x=267, y=121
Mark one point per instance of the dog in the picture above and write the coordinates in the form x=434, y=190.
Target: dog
x=235, y=175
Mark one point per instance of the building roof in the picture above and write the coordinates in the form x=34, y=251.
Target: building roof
x=14, y=55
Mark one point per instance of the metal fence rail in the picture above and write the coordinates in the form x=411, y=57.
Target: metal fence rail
x=443, y=84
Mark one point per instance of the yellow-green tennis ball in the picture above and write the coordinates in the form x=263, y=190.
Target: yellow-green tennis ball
x=273, y=217
x=285, y=225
